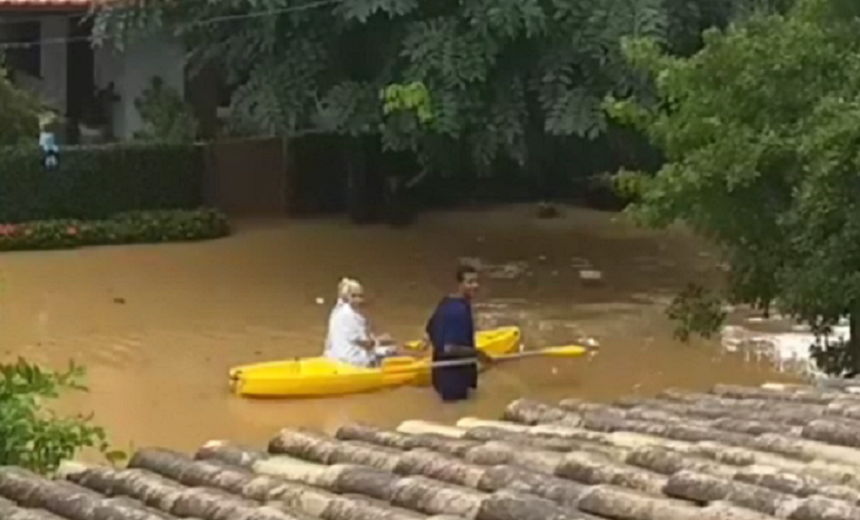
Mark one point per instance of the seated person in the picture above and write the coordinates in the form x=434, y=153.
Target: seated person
x=349, y=338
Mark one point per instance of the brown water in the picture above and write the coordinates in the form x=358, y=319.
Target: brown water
x=158, y=326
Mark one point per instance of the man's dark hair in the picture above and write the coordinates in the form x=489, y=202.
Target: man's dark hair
x=464, y=270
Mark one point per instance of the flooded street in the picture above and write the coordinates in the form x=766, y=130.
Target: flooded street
x=158, y=326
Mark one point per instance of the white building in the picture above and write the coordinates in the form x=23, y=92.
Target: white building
x=46, y=49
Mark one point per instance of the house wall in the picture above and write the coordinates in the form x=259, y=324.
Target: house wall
x=54, y=61
x=131, y=70
x=51, y=86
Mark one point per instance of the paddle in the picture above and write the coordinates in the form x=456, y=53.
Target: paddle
x=560, y=351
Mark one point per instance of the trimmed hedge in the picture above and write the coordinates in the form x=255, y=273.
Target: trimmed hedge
x=96, y=182
x=124, y=228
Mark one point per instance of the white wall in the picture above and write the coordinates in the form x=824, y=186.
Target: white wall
x=54, y=62
x=131, y=71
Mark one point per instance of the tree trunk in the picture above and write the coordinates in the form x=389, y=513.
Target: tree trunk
x=854, y=342
x=400, y=208
x=357, y=182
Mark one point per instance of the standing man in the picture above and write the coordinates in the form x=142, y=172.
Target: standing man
x=451, y=331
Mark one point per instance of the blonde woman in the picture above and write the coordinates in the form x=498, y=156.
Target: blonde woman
x=349, y=338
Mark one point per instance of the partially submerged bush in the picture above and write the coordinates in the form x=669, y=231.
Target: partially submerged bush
x=124, y=228
x=34, y=437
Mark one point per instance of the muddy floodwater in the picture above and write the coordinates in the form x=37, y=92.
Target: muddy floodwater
x=159, y=326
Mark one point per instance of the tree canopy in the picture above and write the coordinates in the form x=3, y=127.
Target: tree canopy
x=761, y=131
x=498, y=73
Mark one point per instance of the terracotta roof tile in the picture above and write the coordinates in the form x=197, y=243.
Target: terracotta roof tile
x=744, y=453
x=50, y=5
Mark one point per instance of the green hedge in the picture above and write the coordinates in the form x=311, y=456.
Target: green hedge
x=96, y=182
x=124, y=228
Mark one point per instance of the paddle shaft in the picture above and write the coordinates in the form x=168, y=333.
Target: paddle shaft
x=473, y=360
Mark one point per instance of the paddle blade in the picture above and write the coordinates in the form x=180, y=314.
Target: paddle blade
x=567, y=351
x=415, y=345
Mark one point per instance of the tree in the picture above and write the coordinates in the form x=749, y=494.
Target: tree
x=34, y=437
x=761, y=131
x=19, y=112
x=166, y=116
x=500, y=74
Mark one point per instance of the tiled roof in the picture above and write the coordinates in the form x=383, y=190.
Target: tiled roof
x=736, y=453
x=45, y=5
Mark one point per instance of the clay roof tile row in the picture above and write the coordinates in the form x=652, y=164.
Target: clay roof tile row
x=734, y=453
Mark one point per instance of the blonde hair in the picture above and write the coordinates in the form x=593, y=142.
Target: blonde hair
x=347, y=288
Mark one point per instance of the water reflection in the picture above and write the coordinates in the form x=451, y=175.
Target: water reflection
x=158, y=326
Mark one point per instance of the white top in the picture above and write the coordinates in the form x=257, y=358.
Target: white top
x=346, y=326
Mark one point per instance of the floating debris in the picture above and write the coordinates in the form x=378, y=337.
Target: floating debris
x=504, y=271
x=787, y=350
x=590, y=275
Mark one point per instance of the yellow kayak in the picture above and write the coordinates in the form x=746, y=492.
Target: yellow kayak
x=321, y=376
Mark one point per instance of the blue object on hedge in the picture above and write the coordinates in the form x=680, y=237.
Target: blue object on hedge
x=50, y=150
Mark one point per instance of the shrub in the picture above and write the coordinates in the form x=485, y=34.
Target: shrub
x=20, y=113
x=33, y=436
x=123, y=228
x=96, y=182
x=165, y=114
